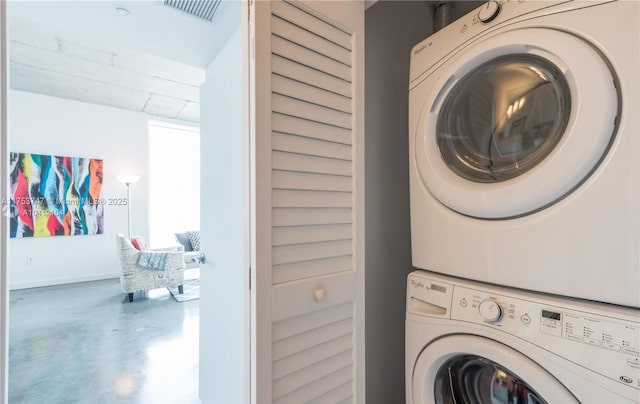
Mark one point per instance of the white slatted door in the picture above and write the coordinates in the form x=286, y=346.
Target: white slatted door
x=307, y=227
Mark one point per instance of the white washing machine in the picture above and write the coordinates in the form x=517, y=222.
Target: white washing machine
x=467, y=342
x=524, y=123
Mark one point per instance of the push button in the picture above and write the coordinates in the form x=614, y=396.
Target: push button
x=626, y=379
x=573, y=337
x=634, y=363
x=591, y=341
x=609, y=345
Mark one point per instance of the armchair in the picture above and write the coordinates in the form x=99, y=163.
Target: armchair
x=134, y=277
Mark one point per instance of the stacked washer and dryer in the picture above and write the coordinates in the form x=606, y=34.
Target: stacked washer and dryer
x=524, y=139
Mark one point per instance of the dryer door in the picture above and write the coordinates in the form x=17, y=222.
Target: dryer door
x=465, y=369
x=516, y=122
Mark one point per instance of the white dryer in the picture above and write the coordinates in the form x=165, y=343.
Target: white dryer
x=524, y=142
x=467, y=342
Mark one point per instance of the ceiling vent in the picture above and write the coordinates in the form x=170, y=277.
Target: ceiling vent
x=205, y=9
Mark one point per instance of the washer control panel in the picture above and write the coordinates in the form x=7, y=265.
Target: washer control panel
x=596, y=336
x=607, y=345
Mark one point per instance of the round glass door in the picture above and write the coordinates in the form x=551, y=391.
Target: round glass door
x=470, y=369
x=470, y=379
x=503, y=118
x=514, y=122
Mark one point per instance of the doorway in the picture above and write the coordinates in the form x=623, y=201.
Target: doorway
x=229, y=21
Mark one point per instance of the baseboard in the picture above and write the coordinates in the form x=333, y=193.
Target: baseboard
x=62, y=281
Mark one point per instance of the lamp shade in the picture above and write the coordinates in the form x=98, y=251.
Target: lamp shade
x=128, y=179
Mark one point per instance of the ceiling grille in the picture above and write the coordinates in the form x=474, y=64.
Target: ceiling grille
x=205, y=9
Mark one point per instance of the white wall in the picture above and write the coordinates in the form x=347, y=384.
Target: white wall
x=224, y=229
x=47, y=125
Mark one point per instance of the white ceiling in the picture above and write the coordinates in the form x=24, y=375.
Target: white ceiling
x=151, y=28
x=150, y=61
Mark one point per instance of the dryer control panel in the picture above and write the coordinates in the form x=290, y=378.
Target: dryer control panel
x=600, y=337
x=437, y=47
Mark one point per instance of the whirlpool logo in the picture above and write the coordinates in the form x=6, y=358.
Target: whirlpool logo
x=420, y=49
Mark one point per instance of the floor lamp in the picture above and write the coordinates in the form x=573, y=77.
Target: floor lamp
x=128, y=180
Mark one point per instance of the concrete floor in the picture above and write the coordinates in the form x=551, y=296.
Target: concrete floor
x=85, y=343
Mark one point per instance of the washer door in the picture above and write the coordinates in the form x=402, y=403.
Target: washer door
x=515, y=123
x=466, y=369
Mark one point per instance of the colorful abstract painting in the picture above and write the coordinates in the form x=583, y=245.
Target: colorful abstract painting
x=55, y=196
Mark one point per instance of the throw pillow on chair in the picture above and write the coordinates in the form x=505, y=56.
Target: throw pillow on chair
x=194, y=237
x=183, y=239
x=139, y=243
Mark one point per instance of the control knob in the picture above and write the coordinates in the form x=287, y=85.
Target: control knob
x=489, y=11
x=490, y=311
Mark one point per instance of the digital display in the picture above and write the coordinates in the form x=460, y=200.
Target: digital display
x=551, y=315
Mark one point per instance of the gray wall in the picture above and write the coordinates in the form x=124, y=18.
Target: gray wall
x=391, y=29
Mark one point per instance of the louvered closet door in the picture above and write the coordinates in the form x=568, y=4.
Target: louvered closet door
x=308, y=273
